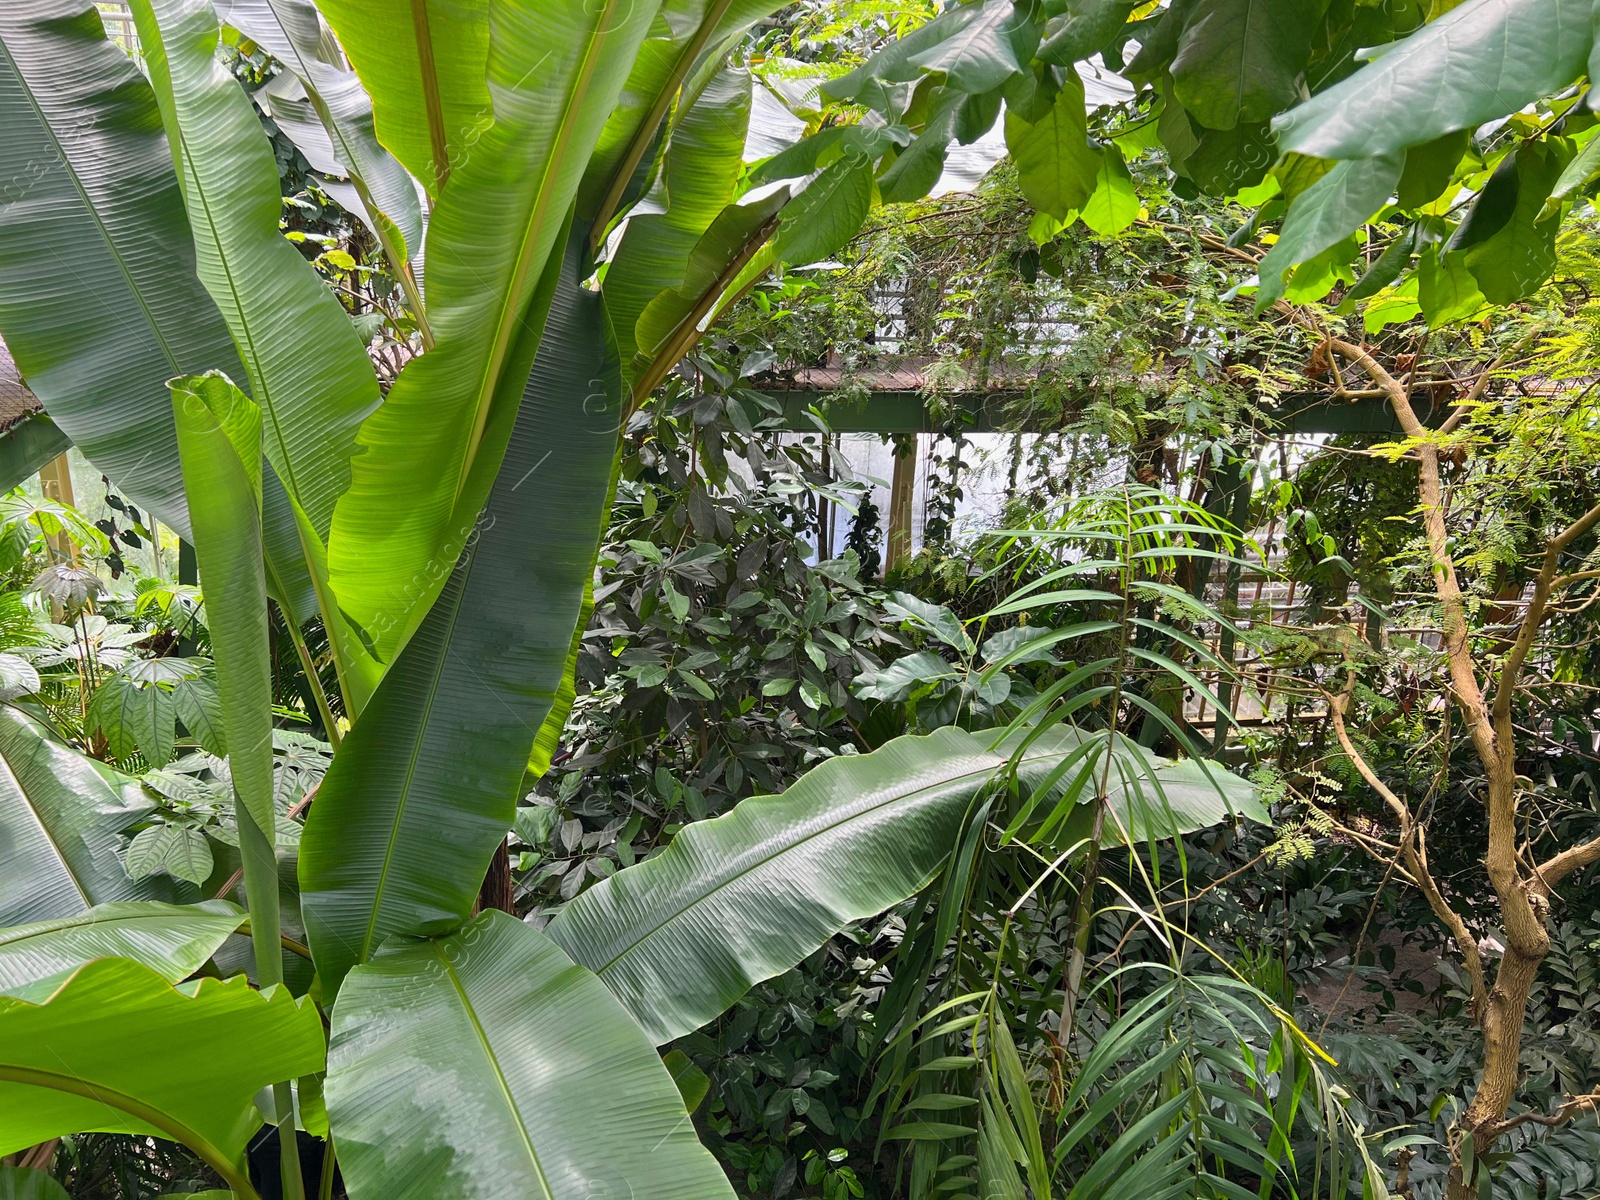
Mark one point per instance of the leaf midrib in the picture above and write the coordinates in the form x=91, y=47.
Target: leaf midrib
x=509, y=316
x=494, y=1065
x=661, y=924
x=94, y=214
x=33, y=810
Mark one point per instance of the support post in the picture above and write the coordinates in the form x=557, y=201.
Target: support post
x=902, y=491
x=55, y=480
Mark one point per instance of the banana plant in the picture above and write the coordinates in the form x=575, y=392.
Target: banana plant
x=444, y=534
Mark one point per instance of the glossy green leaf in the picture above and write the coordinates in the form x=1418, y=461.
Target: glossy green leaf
x=1520, y=254
x=179, y=850
x=985, y=52
x=135, y=718
x=917, y=168
x=1114, y=204
x=69, y=1057
x=895, y=681
x=423, y=63
x=1086, y=27
x=307, y=368
x=487, y=1065
x=1325, y=213
x=172, y=940
x=895, y=62
x=744, y=897
x=431, y=453
x=1430, y=167
x=823, y=218
x=425, y=786
x=1446, y=289
x=99, y=302
x=1583, y=170
x=1240, y=60
x=60, y=829
x=1481, y=60
x=293, y=33
x=1056, y=166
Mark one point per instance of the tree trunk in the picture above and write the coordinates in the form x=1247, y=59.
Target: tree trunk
x=498, y=890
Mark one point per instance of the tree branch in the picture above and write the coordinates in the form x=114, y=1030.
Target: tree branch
x=1574, y=858
x=1413, y=852
x=1564, y=1112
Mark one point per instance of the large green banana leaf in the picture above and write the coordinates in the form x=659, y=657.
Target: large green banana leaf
x=701, y=178
x=486, y=1065
x=60, y=826
x=306, y=365
x=99, y=301
x=431, y=453
x=688, y=44
x=173, y=940
x=293, y=32
x=116, y=1048
x=219, y=439
x=423, y=63
x=425, y=786
x=746, y=896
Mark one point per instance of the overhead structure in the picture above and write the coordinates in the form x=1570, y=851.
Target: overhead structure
x=29, y=439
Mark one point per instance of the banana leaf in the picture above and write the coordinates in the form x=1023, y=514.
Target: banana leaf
x=425, y=786
x=117, y=1049
x=60, y=829
x=423, y=64
x=488, y=1065
x=99, y=301
x=746, y=896
x=173, y=940
x=431, y=453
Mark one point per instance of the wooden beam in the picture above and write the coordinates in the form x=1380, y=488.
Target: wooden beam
x=55, y=479
x=906, y=412
x=902, y=491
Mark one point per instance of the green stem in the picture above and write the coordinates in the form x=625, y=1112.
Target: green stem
x=325, y=1189
x=233, y=1173
x=314, y=681
x=261, y=898
x=294, y=1187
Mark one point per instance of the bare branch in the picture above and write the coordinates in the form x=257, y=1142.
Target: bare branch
x=1413, y=852
x=1564, y=1112
x=1574, y=858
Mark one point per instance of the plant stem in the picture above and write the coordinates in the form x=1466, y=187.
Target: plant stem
x=260, y=865
x=329, y=1159
x=288, y=1144
x=314, y=681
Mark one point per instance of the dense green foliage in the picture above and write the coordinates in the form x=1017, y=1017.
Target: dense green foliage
x=451, y=337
